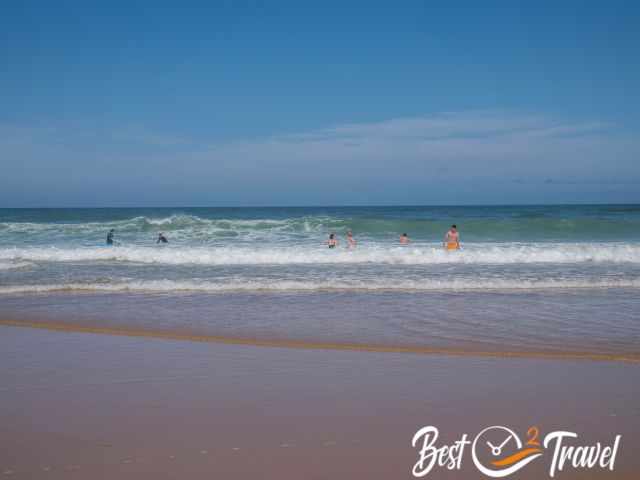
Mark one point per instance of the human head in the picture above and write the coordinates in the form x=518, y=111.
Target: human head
x=331, y=235
x=112, y=230
x=404, y=234
x=454, y=227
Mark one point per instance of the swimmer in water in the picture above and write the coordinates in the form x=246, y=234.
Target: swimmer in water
x=452, y=239
x=351, y=242
x=333, y=241
x=110, y=236
x=404, y=239
x=162, y=238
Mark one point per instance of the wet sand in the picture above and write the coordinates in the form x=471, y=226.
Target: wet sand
x=93, y=405
x=561, y=324
x=317, y=345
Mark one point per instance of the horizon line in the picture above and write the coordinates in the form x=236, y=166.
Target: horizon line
x=355, y=205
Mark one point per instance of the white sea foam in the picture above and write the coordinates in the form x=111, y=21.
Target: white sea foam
x=151, y=286
x=510, y=253
x=175, y=222
x=13, y=265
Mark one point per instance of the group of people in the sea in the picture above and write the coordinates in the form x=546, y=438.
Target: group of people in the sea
x=111, y=240
x=451, y=239
x=333, y=241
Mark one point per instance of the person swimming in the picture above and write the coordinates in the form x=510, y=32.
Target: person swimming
x=404, y=239
x=333, y=241
x=351, y=242
x=162, y=238
x=452, y=239
x=110, y=236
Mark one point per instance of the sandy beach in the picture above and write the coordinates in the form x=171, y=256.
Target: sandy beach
x=87, y=405
x=319, y=240
x=247, y=349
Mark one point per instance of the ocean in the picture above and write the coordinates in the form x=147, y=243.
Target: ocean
x=531, y=277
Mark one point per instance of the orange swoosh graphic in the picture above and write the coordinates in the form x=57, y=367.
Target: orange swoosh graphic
x=515, y=457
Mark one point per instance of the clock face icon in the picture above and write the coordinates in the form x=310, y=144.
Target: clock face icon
x=498, y=451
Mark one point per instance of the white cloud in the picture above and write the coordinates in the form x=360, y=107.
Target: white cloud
x=486, y=149
x=478, y=142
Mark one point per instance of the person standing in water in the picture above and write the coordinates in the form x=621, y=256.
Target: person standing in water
x=110, y=236
x=333, y=241
x=404, y=239
x=452, y=239
x=162, y=238
x=351, y=242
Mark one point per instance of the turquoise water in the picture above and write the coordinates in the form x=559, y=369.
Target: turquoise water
x=548, y=278
x=282, y=249
x=196, y=225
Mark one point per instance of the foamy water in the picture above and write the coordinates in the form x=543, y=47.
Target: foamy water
x=472, y=253
x=455, y=285
x=527, y=278
x=217, y=250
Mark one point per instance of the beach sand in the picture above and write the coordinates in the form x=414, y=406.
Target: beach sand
x=88, y=405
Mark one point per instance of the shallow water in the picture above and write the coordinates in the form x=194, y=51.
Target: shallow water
x=545, y=278
x=588, y=322
x=282, y=249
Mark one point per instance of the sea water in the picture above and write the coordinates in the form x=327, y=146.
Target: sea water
x=524, y=273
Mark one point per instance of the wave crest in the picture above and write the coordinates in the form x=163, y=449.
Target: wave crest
x=414, y=255
x=151, y=286
x=518, y=227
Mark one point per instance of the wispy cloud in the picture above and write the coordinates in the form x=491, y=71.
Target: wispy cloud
x=451, y=125
x=485, y=149
x=477, y=142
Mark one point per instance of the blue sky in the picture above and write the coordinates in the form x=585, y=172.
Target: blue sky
x=280, y=103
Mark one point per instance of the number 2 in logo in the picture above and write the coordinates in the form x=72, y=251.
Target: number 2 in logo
x=533, y=433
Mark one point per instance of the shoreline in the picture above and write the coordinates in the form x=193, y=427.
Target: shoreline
x=187, y=288
x=310, y=345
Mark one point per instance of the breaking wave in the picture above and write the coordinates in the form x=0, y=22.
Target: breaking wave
x=508, y=253
x=13, y=265
x=150, y=286
x=508, y=227
x=171, y=223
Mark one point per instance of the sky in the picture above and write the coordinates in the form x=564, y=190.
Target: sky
x=318, y=103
